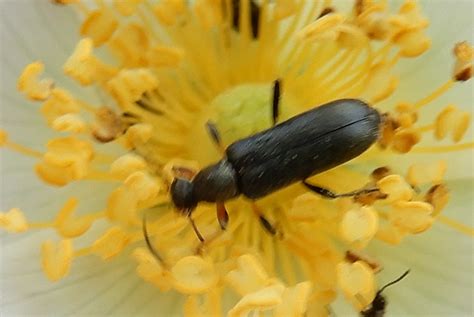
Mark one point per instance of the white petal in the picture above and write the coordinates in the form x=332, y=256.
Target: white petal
x=34, y=30
x=93, y=287
x=39, y=30
x=440, y=260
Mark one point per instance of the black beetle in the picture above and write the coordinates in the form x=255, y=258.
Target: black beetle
x=377, y=307
x=307, y=144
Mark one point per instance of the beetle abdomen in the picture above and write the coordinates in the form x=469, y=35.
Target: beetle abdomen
x=305, y=145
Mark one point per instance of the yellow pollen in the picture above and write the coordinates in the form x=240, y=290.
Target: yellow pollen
x=266, y=298
x=84, y=67
x=423, y=173
x=56, y=258
x=412, y=216
x=3, y=137
x=166, y=72
x=357, y=282
x=13, y=221
x=194, y=275
x=395, y=187
x=31, y=85
x=451, y=119
x=111, y=243
x=127, y=164
x=99, y=26
x=144, y=187
x=138, y=134
x=68, y=225
x=249, y=276
x=128, y=7
x=359, y=225
x=69, y=123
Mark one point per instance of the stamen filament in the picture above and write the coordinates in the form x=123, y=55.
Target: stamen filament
x=83, y=251
x=147, y=24
x=458, y=226
x=443, y=149
x=81, y=7
x=97, y=215
x=435, y=94
x=23, y=149
x=382, y=52
x=84, y=105
x=100, y=3
x=425, y=128
x=40, y=225
x=100, y=176
x=395, y=59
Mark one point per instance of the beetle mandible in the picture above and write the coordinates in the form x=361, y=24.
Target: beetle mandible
x=289, y=152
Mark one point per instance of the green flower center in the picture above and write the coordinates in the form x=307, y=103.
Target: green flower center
x=236, y=113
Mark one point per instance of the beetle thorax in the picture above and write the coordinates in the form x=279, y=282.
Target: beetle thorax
x=216, y=183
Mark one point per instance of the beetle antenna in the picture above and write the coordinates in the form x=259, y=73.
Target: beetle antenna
x=148, y=243
x=263, y=221
x=331, y=195
x=393, y=282
x=193, y=224
x=215, y=135
x=276, y=100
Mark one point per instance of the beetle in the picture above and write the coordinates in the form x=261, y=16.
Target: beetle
x=377, y=307
x=254, y=16
x=288, y=152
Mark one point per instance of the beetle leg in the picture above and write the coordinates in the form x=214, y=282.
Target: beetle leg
x=149, y=245
x=267, y=225
x=183, y=172
x=263, y=221
x=222, y=215
x=198, y=234
x=215, y=135
x=331, y=195
x=205, y=243
x=276, y=100
x=223, y=218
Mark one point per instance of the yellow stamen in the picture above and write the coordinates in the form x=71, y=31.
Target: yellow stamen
x=166, y=83
x=13, y=221
x=22, y=149
x=81, y=7
x=83, y=251
x=456, y=225
x=56, y=258
x=444, y=148
x=31, y=86
x=194, y=275
x=357, y=282
x=40, y=225
x=435, y=94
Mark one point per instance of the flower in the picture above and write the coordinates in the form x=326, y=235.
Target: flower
x=166, y=89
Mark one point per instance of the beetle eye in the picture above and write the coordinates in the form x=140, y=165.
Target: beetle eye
x=182, y=194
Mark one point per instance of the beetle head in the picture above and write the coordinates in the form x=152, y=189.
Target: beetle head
x=182, y=194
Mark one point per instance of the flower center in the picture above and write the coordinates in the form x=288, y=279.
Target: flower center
x=165, y=96
x=236, y=113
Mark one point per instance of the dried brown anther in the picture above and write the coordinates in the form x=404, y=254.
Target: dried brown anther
x=353, y=256
x=108, y=125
